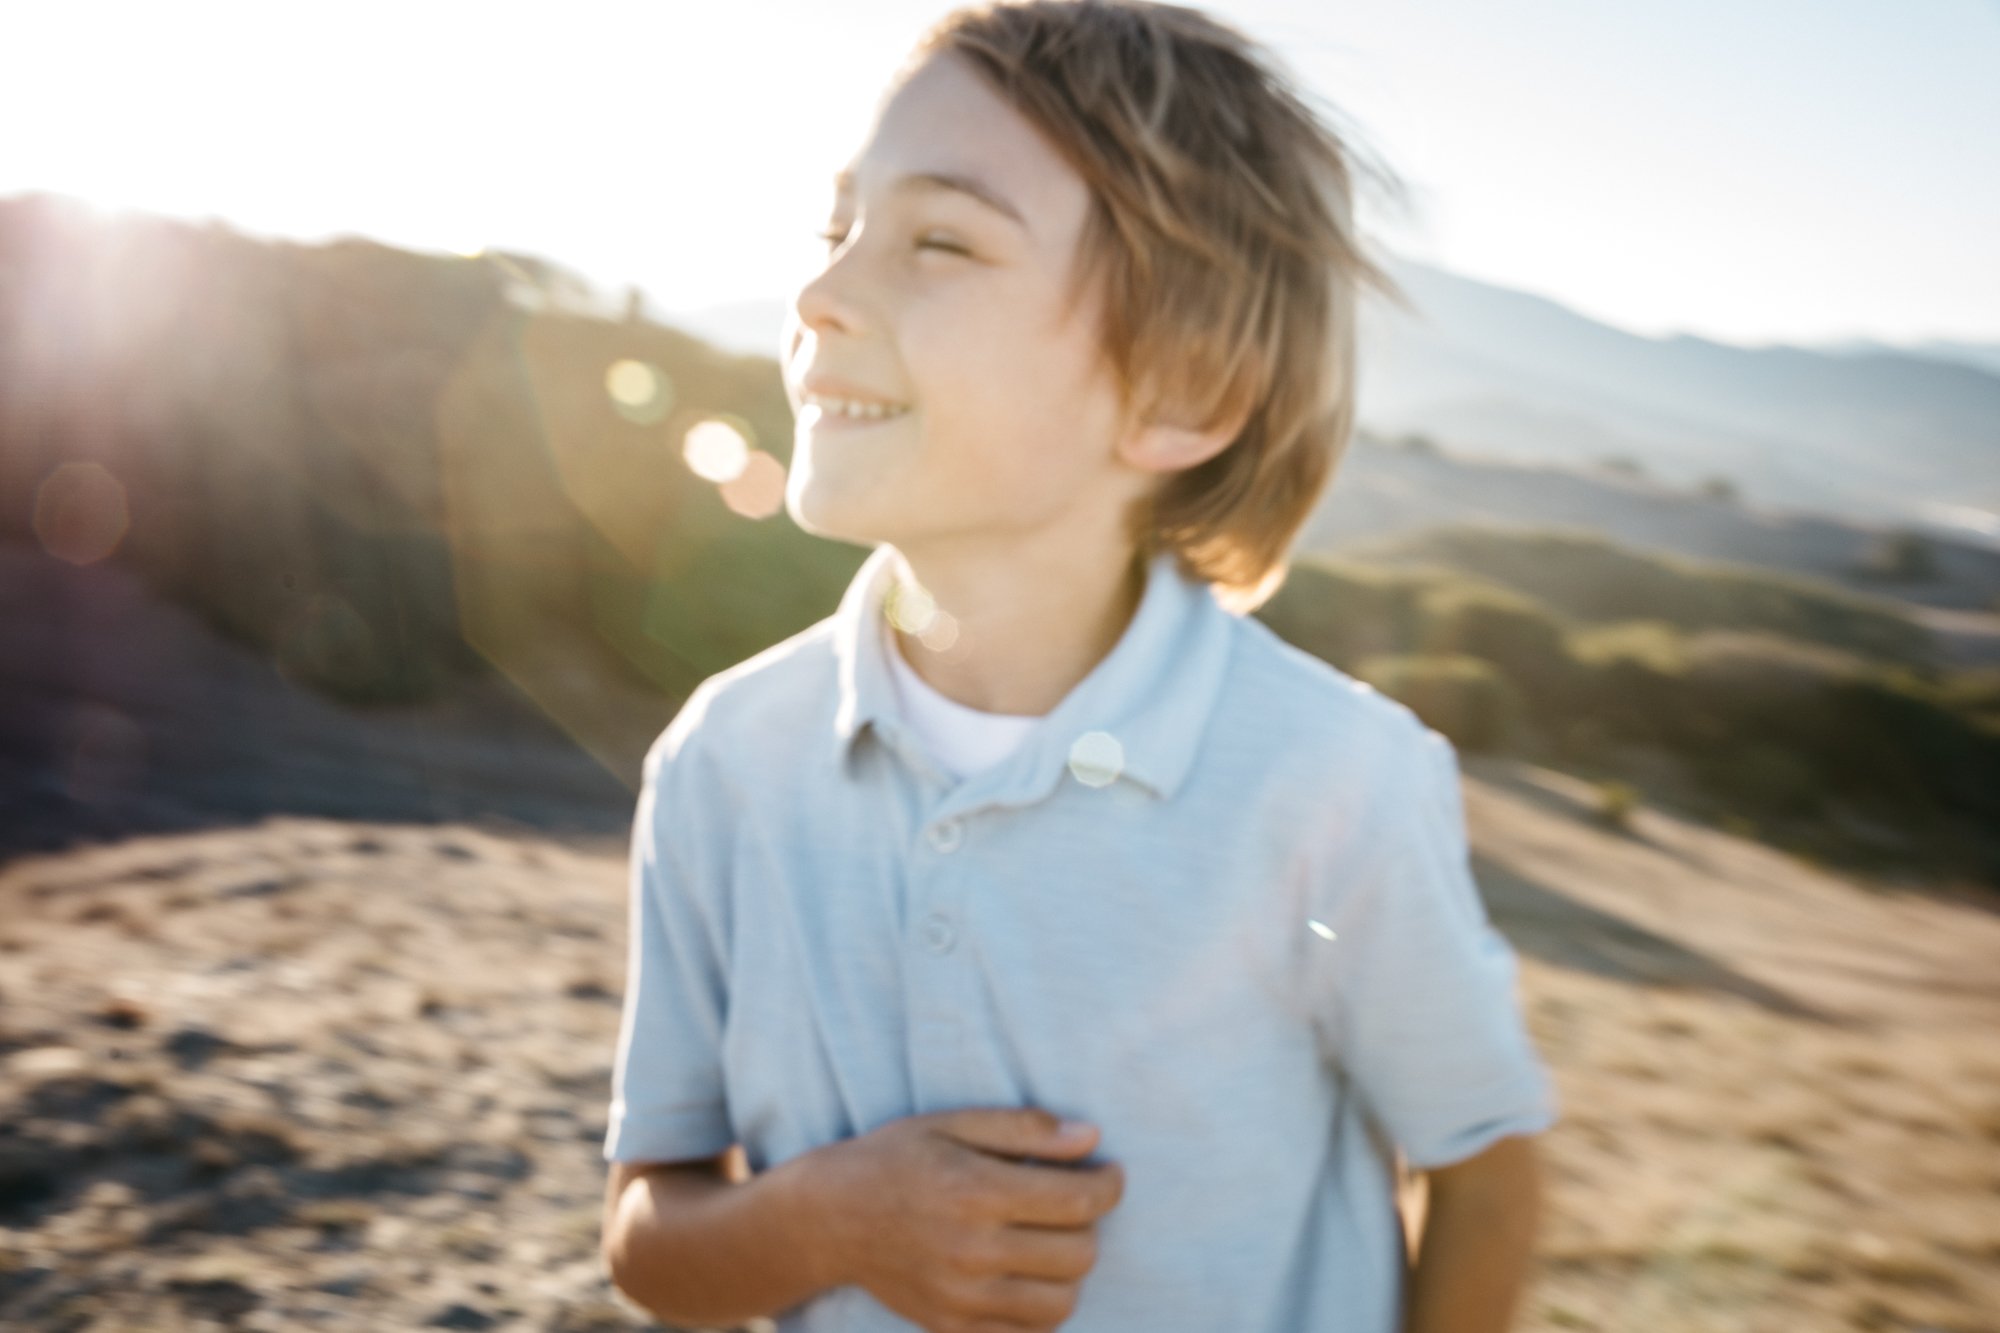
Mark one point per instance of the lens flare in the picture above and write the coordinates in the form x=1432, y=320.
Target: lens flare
x=80, y=512
x=941, y=633
x=1096, y=759
x=909, y=607
x=716, y=451
x=640, y=392
x=758, y=491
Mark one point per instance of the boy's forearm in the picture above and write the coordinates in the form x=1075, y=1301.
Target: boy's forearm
x=1476, y=1250
x=698, y=1249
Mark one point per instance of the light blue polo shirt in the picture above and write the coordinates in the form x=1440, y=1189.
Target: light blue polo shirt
x=1218, y=902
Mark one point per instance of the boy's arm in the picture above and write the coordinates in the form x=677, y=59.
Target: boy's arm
x=1420, y=996
x=704, y=1244
x=1478, y=1236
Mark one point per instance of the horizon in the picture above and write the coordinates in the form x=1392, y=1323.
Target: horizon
x=691, y=319
x=554, y=141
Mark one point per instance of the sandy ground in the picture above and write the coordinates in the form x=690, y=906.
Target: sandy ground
x=315, y=1073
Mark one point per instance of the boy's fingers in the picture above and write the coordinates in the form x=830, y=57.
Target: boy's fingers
x=1018, y=1131
x=1057, y=1196
x=1060, y=1253
x=1028, y=1303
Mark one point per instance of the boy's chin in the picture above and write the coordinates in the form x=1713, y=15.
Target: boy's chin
x=825, y=516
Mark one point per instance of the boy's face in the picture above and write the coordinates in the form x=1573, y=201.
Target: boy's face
x=952, y=310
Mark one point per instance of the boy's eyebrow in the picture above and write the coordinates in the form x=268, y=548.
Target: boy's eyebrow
x=843, y=181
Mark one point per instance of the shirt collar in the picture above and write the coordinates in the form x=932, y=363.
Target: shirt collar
x=1152, y=694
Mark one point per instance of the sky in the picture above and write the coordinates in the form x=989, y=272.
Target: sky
x=1752, y=171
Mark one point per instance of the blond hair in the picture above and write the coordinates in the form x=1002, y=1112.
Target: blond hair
x=1222, y=233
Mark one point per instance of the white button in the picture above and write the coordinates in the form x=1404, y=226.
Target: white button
x=946, y=835
x=938, y=934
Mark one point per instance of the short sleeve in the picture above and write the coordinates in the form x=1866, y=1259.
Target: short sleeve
x=1425, y=1016
x=667, y=1091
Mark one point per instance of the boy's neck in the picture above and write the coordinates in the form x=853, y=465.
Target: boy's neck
x=1027, y=629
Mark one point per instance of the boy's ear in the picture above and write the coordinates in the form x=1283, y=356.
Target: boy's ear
x=1166, y=444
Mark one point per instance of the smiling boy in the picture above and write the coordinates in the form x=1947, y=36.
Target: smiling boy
x=1040, y=825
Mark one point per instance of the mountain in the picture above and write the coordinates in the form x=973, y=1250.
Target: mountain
x=1979, y=355
x=1873, y=434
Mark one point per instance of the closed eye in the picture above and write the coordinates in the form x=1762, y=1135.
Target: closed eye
x=833, y=238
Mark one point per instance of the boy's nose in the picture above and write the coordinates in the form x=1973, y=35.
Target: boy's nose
x=823, y=305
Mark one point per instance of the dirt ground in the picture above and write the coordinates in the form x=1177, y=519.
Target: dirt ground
x=318, y=1073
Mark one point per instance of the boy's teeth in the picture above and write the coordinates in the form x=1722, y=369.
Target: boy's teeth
x=871, y=411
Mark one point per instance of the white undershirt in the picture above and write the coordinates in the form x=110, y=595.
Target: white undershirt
x=963, y=740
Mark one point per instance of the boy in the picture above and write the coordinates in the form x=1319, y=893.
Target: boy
x=1039, y=827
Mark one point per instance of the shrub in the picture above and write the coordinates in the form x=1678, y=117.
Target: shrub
x=1762, y=687
x=1463, y=697
x=1582, y=738
x=1879, y=735
x=1899, y=557
x=1739, y=825
x=1764, y=779
x=1654, y=644
x=1522, y=638
x=1342, y=612
x=1628, y=681
x=1616, y=801
x=1588, y=577
x=1975, y=691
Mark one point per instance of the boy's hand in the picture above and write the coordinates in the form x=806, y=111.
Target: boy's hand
x=942, y=1218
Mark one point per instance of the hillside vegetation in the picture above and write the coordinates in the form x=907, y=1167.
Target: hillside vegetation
x=1755, y=699
x=387, y=472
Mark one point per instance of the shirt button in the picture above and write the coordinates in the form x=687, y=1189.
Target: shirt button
x=938, y=934
x=946, y=835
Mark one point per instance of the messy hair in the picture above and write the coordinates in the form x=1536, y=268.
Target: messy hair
x=1222, y=238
